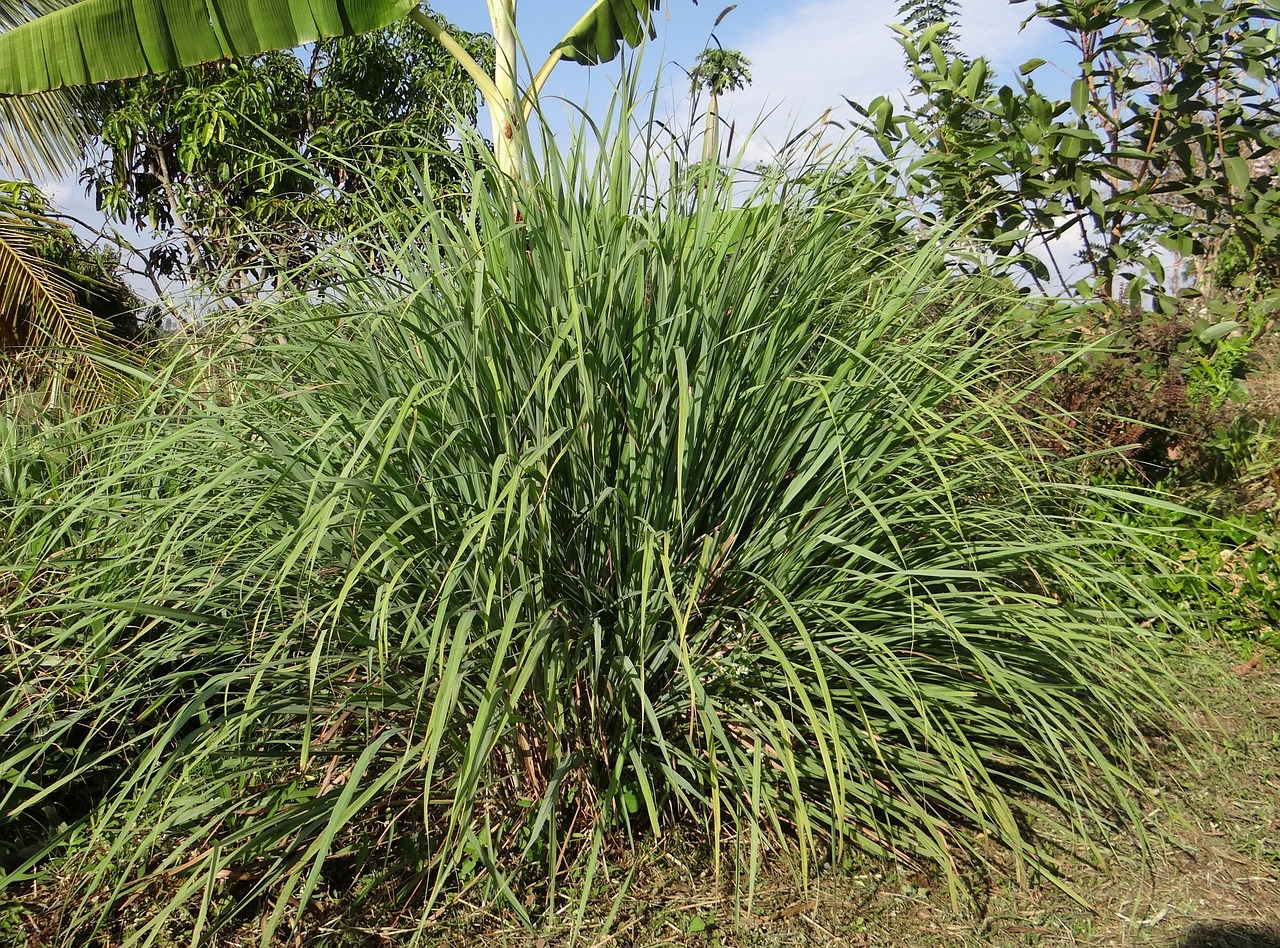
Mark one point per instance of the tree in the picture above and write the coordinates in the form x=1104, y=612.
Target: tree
x=62, y=306
x=919, y=15
x=209, y=155
x=718, y=70
x=1172, y=105
x=94, y=41
x=938, y=18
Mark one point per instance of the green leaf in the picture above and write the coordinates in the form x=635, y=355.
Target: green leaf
x=44, y=135
x=1030, y=66
x=974, y=78
x=1009, y=237
x=101, y=40
x=43, y=310
x=599, y=34
x=1080, y=95
x=1218, y=331
x=1179, y=243
x=1134, y=292
x=1237, y=172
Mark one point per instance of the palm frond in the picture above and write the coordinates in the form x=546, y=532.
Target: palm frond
x=45, y=332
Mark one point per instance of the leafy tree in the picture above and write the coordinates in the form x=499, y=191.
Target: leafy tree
x=1160, y=146
x=938, y=18
x=62, y=306
x=720, y=70
x=204, y=154
x=1170, y=104
x=920, y=16
x=99, y=40
x=1242, y=268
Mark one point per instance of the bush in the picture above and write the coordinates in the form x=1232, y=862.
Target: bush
x=1153, y=397
x=624, y=509
x=1225, y=578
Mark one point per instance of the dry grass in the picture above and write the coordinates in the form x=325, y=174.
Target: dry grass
x=1264, y=379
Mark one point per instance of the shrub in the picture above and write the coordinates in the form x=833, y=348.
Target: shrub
x=1153, y=396
x=623, y=507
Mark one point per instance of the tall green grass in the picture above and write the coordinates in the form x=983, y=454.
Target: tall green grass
x=616, y=507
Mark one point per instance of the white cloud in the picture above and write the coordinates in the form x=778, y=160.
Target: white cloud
x=67, y=195
x=992, y=28
x=58, y=191
x=814, y=55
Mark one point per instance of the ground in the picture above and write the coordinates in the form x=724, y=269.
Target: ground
x=1210, y=880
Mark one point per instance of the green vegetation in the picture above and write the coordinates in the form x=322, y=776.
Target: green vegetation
x=44, y=133
x=1159, y=166
x=210, y=157
x=1161, y=144
x=614, y=518
x=718, y=71
x=67, y=321
x=95, y=41
x=534, y=530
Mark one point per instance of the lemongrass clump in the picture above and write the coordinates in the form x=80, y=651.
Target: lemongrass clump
x=618, y=504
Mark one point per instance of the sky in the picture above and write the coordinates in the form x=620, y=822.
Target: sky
x=806, y=56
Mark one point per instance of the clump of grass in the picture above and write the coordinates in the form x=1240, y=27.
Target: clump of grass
x=615, y=507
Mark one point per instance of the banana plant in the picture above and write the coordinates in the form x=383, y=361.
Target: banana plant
x=42, y=135
x=92, y=41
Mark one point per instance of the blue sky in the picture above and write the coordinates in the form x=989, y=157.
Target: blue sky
x=806, y=57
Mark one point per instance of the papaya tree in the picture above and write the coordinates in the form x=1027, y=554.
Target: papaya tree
x=94, y=41
x=717, y=70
